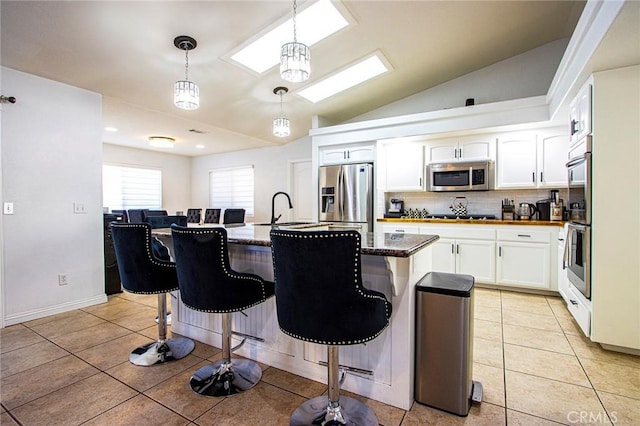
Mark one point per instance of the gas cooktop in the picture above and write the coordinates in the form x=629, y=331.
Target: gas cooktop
x=469, y=217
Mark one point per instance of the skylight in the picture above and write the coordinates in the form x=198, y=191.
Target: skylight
x=313, y=24
x=345, y=79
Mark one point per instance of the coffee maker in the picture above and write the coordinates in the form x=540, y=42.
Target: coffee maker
x=396, y=208
x=556, y=208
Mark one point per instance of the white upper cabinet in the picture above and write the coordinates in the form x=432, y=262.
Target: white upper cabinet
x=517, y=161
x=580, y=114
x=533, y=159
x=468, y=148
x=345, y=154
x=553, y=155
x=404, y=163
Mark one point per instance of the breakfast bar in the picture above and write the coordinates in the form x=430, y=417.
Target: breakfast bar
x=383, y=369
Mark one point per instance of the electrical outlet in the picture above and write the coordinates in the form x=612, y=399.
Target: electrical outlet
x=8, y=208
x=78, y=208
x=63, y=279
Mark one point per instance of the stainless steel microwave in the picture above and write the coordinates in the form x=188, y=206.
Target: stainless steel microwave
x=460, y=176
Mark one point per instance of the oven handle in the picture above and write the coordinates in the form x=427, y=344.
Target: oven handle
x=567, y=243
x=577, y=160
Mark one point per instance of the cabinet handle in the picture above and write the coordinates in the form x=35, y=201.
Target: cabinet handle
x=460, y=156
x=541, y=180
x=573, y=302
x=574, y=127
x=500, y=251
x=524, y=235
x=455, y=152
x=533, y=177
x=452, y=248
x=400, y=230
x=457, y=248
x=420, y=179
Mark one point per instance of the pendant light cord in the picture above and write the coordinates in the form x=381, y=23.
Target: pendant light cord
x=281, y=112
x=186, y=64
x=295, y=35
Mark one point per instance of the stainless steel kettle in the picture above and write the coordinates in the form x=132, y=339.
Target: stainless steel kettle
x=525, y=211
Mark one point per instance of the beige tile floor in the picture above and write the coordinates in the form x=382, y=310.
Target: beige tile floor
x=535, y=365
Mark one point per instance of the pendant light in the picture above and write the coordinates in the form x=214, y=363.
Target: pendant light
x=281, y=125
x=295, y=58
x=186, y=94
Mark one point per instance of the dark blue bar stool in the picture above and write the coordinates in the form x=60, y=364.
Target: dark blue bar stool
x=208, y=284
x=320, y=298
x=145, y=268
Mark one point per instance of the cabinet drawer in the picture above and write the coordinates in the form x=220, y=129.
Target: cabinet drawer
x=529, y=236
x=467, y=233
x=402, y=229
x=579, y=311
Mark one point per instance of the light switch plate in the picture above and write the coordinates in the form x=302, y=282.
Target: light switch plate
x=8, y=208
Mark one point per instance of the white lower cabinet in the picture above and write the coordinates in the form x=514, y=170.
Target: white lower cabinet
x=473, y=256
x=563, y=281
x=477, y=258
x=524, y=258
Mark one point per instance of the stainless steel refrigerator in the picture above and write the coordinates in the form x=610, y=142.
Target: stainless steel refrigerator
x=346, y=194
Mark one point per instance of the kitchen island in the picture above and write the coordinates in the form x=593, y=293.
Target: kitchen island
x=391, y=264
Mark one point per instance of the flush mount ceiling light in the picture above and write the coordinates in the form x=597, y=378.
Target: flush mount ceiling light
x=186, y=94
x=161, y=141
x=295, y=58
x=281, y=125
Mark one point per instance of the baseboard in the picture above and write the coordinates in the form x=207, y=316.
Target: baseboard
x=53, y=310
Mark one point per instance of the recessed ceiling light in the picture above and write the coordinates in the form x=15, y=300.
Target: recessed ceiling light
x=200, y=146
x=111, y=129
x=313, y=24
x=351, y=76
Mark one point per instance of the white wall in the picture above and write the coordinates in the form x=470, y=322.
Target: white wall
x=176, y=172
x=271, y=174
x=51, y=158
x=526, y=75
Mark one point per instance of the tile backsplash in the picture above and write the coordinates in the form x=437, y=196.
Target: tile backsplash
x=479, y=202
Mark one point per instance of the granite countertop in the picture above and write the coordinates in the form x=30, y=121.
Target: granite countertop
x=377, y=244
x=476, y=221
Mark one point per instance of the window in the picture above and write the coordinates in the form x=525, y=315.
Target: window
x=232, y=188
x=131, y=188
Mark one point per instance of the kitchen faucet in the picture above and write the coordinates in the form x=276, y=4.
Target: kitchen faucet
x=274, y=219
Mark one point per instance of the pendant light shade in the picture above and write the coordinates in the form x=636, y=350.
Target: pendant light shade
x=295, y=58
x=281, y=125
x=186, y=94
x=295, y=62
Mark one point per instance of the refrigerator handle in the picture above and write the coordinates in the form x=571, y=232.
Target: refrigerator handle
x=339, y=192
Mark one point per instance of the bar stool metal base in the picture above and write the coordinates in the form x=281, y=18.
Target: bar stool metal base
x=224, y=378
x=317, y=411
x=160, y=352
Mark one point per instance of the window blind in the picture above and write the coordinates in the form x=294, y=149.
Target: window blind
x=131, y=187
x=232, y=188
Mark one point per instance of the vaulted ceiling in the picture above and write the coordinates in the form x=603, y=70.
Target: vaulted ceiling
x=124, y=50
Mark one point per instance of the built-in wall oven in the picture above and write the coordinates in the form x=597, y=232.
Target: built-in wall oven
x=577, y=253
x=577, y=257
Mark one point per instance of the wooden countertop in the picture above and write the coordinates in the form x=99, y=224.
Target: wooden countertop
x=373, y=243
x=475, y=221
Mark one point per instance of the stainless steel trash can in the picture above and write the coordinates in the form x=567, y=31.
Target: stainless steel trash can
x=444, y=343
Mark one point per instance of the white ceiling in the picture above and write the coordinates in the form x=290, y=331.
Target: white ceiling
x=124, y=50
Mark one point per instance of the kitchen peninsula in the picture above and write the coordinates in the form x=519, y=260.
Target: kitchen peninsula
x=391, y=264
